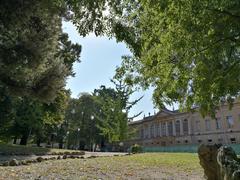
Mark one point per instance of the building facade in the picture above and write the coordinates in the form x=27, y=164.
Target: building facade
x=171, y=128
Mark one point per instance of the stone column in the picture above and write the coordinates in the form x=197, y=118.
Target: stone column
x=174, y=128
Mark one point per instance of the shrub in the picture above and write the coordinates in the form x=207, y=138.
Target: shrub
x=136, y=148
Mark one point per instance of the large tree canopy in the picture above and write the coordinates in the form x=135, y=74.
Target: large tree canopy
x=190, y=51
x=35, y=55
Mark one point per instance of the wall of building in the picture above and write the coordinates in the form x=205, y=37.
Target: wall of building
x=168, y=128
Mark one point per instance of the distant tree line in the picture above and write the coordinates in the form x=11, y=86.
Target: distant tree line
x=97, y=118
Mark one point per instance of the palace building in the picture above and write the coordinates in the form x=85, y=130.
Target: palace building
x=171, y=128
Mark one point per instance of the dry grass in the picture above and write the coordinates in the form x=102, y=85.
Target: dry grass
x=141, y=166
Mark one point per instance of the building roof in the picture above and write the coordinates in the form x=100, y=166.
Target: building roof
x=163, y=112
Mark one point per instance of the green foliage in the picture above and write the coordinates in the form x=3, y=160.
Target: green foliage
x=31, y=117
x=100, y=117
x=189, y=51
x=115, y=106
x=35, y=56
x=6, y=112
x=81, y=121
x=136, y=149
x=112, y=119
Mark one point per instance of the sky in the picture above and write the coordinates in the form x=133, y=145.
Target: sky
x=99, y=58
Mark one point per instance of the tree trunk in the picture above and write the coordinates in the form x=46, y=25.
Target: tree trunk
x=24, y=139
x=15, y=140
x=219, y=162
x=38, y=142
x=60, y=144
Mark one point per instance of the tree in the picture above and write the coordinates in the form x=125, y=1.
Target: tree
x=35, y=56
x=112, y=121
x=53, y=119
x=189, y=51
x=81, y=122
x=125, y=89
x=114, y=108
x=7, y=113
x=27, y=118
x=37, y=119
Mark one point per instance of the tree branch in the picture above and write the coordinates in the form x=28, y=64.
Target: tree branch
x=226, y=13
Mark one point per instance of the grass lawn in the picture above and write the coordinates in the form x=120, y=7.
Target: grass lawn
x=27, y=150
x=177, y=166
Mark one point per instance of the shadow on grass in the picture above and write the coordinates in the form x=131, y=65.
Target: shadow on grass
x=6, y=149
x=11, y=150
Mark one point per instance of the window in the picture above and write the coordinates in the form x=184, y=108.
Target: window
x=197, y=125
x=177, y=127
x=230, y=121
x=178, y=142
x=185, y=126
x=199, y=141
x=186, y=141
x=209, y=140
x=220, y=140
x=163, y=128
x=218, y=123
x=207, y=124
x=170, y=128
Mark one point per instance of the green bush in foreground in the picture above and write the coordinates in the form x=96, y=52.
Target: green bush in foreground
x=136, y=148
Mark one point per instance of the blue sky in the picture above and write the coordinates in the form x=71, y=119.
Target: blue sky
x=99, y=58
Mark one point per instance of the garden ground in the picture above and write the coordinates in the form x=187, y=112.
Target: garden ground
x=179, y=166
